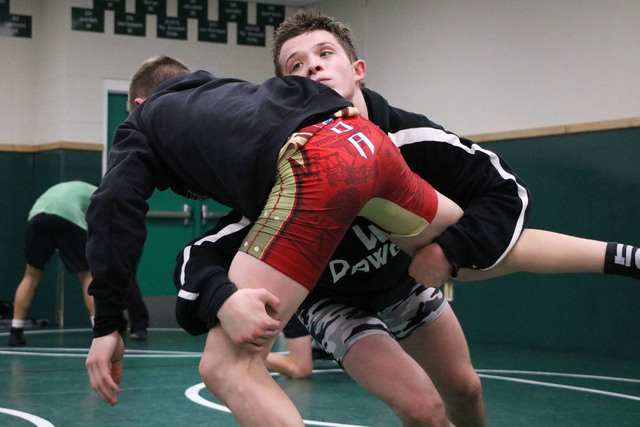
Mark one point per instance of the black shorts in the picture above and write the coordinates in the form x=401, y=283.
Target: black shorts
x=294, y=328
x=46, y=233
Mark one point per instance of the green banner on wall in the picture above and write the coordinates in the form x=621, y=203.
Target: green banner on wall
x=251, y=35
x=116, y=5
x=83, y=19
x=232, y=11
x=152, y=7
x=192, y=9
x=172, y=28
x=270, y=14
x=130, y=24
x=15, y=25
x=212, y=31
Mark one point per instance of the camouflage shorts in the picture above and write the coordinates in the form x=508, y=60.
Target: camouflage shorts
x=337, y=326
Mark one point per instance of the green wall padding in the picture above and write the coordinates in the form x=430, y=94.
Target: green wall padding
x=586, y=185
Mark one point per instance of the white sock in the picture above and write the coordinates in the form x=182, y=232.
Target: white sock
x=93, y=320
x=17, y=323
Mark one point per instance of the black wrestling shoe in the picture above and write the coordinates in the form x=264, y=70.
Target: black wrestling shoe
x=16, y=337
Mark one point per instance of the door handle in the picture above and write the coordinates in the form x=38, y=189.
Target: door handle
x=206, y=215
x=186, y=214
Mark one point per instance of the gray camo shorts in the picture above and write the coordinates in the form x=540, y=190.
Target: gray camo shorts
x=337, y=326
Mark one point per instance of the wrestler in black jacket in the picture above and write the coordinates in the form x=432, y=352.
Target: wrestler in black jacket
x=204, y=137
x=366, y=267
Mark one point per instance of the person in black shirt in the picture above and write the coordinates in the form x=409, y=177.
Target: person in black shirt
x=367, y=279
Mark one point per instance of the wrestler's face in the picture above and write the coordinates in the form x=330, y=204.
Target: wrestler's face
x=319, y=56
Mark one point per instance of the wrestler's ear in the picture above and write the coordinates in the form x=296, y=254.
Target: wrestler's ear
x=359, y=69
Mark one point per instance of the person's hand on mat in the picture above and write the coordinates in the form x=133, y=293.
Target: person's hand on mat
x=104, y=364
x=246, y=318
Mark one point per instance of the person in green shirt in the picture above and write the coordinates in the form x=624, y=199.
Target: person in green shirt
x=56, y=221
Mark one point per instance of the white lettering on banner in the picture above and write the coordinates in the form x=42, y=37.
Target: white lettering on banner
x=359, y=138
x=341, y=127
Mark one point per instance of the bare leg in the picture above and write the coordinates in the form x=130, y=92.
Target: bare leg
x=240, y=380
x=385, y=370
x=85, y=279
x=441, y=350
x=546, y=252
x=239, y=377
x=25, y=292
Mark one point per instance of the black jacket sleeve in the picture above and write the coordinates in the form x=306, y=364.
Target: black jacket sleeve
x=116, y=224
x=494, y=199
x=201, y=273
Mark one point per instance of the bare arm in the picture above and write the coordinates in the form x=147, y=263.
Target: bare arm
x=299, y=362
x=104, y=364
